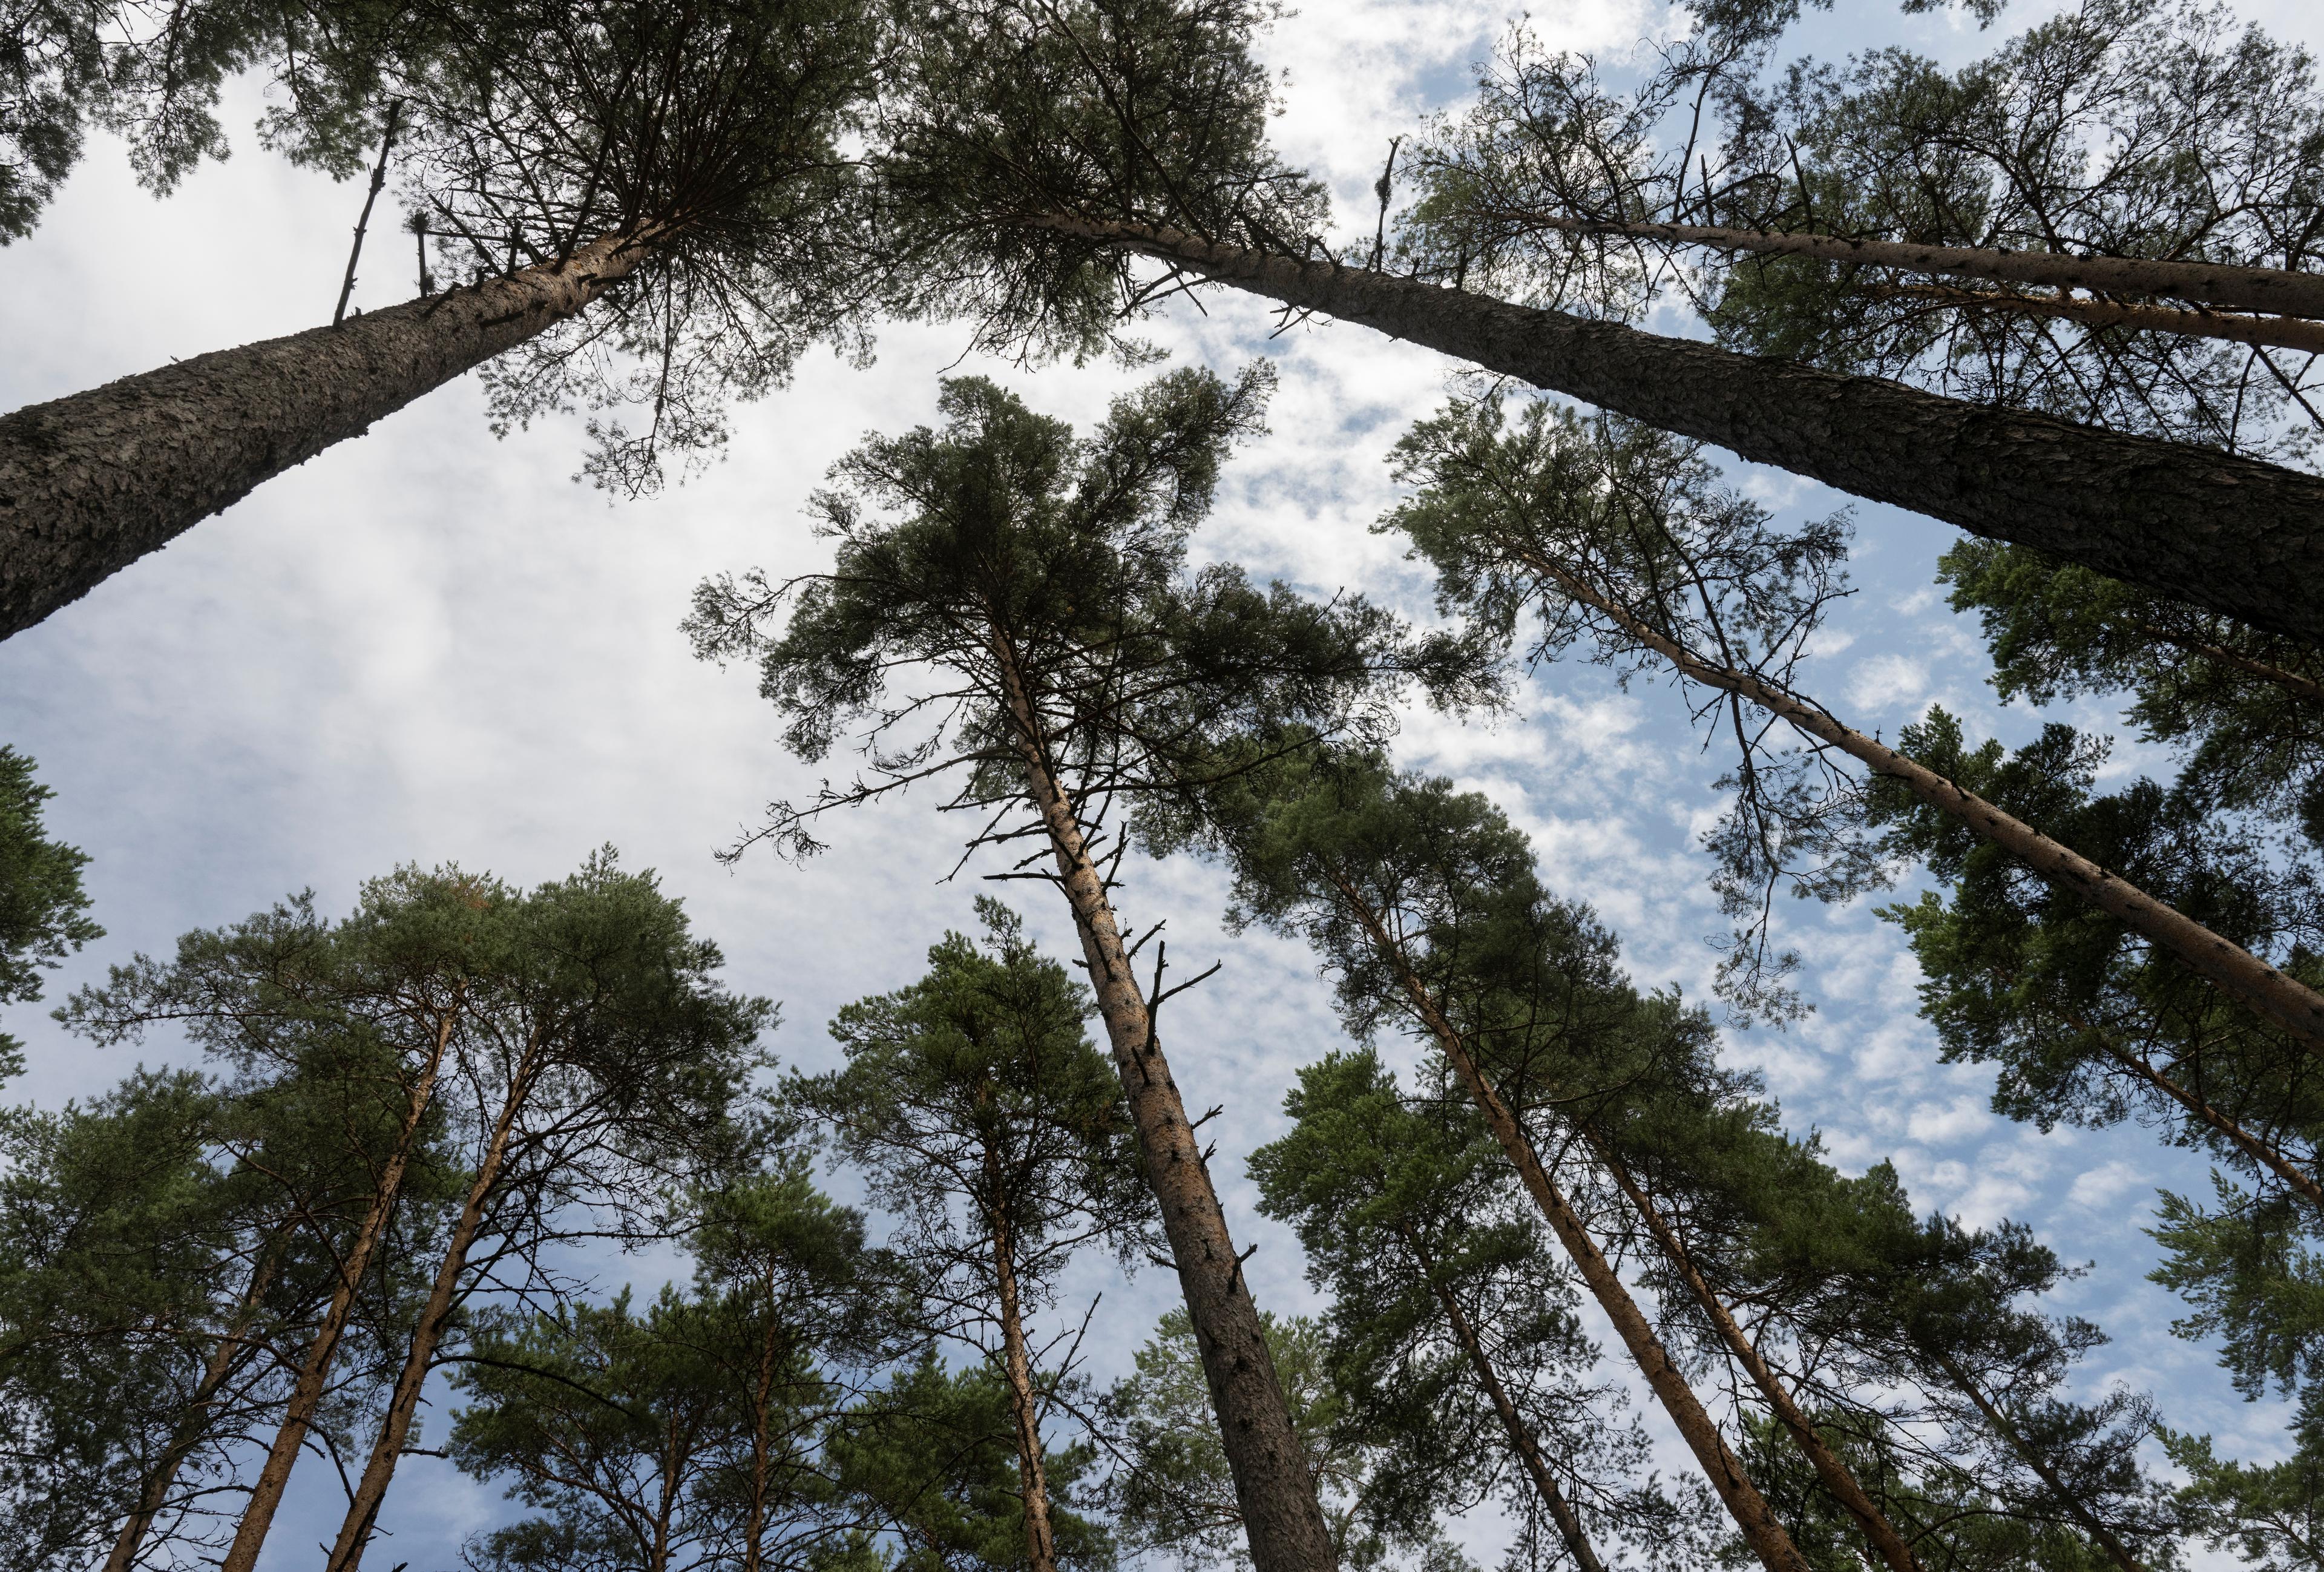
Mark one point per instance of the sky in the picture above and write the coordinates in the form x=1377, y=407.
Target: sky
x=429, y=645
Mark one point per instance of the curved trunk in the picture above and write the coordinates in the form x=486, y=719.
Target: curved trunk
x=91, y=482
x=1752, y=1514
x=1522, y=1439
x=1274, y=1487
x=2282, y=1000
x=307, y=1394
x=2231, y=533
x=2208, y=283
x=1877, y=1530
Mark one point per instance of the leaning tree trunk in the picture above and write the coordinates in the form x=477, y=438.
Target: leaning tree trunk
x=1761, y=1528
x=1017, y=1369
x=2282, y=1000
x=1522, y=1439
x=1274, y=1487
x=2100, y=1535
x=2210, y=283
x=91, y=482
x=2228, y=532
x=1829, y=1469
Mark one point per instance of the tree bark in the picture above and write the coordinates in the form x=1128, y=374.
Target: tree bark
x=2293, y=333
x=188, y=1433
x=307, y=1394
x=2231, y=533
x=2102, y=1536
x=1522, y=1439
x=1877, y=1530
x=91, y=482
x=2282, y=1000
x=1024, y=1403
x=443, y=1296
x=1752, y=1514
x=2239, y=288
x=1275, y=1489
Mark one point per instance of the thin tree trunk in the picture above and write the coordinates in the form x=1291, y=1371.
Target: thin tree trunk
x=91, y=482
x=1274, y=1487
x=1024, y=1405
x=190, y=1428
x=2291, y=682
x=754, y=1527
x=363, y=221
x=1752, y=1514
x=1522, y=1439
x=2282, y=1000
x=307, y=1394
x=2102, y=1536
x=2209, y=284
x=2294, y=333
x=1829, y=1468
x=443, y=1296
x=2228, y=532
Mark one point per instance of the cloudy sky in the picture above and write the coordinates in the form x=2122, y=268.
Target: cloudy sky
x=428, y=645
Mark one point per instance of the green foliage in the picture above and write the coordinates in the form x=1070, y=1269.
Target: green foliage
x=2270, y=1514
x=1173, y=1493
x=985, y=1121
x=42, y=907
x=1401, y=1208
x=932, y=1454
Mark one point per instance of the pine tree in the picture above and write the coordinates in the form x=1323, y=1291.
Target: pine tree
x=1037, y=159
x=1072, y=665
x=675, y=164
x=43, y=910
x=985, y=1121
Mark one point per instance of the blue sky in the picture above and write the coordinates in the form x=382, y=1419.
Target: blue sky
x=428, y=645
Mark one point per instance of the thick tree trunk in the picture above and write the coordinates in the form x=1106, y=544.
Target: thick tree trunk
x=2208, y=283
x=91, y=482
x=1834, y=1475
x=195, y=1422
x=307, y=1394
x=1522, y=1439
x=1024, y=1403
x=443, y=1296
x=2284, y=1000
x=2230, y=534
x=1274, y=1488
x=1752, y=1514
x=2100, y=1535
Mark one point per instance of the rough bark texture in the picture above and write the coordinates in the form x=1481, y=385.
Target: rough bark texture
x=2285, y=1001
x=435, y=1317
x=1752, y=1514
x=2100, y=1535
x=2240, y=289
x=89, y=483
x=307, y=1394
x=1024, y=1403
x=1273, y=1489
x=2231, y=533
x=1522, y=1439
x=1877, y=1530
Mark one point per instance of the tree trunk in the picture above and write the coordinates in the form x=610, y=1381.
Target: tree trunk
x=190, y=1428
x=91, y=482
x=2284, y=1000
x=1720, y=1466
x=2260, y=1152
x=443, y=1296
x=1877, y=1530
x=1273, y=1486
x=2231, y=533
x=274, y=1475
x=2102, y=1536
x=1024, y=1403
x=1522, y=1439
x=2209, y=284
x=2293, y=333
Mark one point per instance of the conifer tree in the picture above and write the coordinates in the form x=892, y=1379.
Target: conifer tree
x=1072, y=665
x=678, y=164
x=1451, y=1330
x=43, y=910
x=1042, y=153
x=986, y=1123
